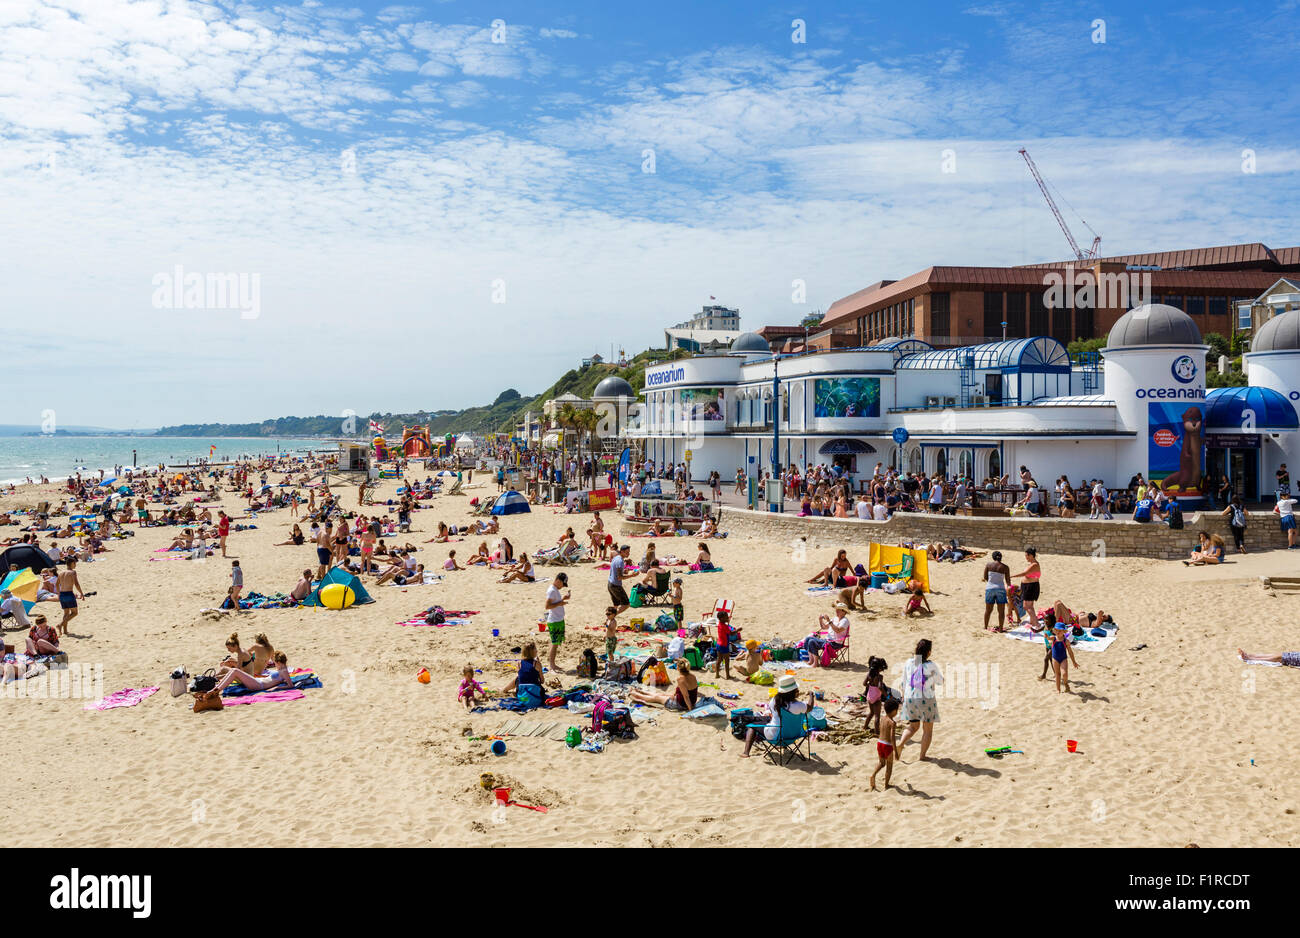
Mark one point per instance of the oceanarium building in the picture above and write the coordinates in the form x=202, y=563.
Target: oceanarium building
x=984, y=410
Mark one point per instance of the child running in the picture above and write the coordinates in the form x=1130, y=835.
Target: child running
x=885, y=739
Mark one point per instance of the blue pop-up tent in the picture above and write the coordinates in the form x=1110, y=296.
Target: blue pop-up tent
x=339, y=575
x=510, y=503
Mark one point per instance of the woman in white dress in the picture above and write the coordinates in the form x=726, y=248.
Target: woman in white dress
x=921, y=680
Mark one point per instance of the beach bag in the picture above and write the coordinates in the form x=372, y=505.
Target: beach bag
x=763, y=678
x=665, y=622
x=740, y=720
x=598, y=715
x=634, y=598
x=618, y=670
x=435, y=616
x=588, y=667
x=530, y=695
x=204, y=682
x=676, y=647
x=618, y=723
x=208, y=700
x=180, y=681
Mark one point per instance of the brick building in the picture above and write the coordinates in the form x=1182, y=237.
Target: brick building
x=949, y=306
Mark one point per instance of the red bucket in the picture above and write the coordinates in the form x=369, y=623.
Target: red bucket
x=502, y=794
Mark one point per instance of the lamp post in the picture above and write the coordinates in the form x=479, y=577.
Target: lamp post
x=776, y=428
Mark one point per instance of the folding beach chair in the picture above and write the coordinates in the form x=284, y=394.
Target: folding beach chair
x=901, y=570
x=792, y=739
x=830, y=654
x=659, y=595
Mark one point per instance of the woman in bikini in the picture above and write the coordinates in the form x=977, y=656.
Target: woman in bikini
x=258, y=683
x=834, y=574
x=683, y=696
x=521, y=572
x=42, y=639
x=296, y=539
x=1031, y=589
x=703, y=560
x=236, y=657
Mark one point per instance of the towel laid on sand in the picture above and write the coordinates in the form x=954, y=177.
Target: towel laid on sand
x=1267, y=664
x=301, y=678
x=252, y=697
x=418, y=622
x=127, y=697
x=1085, y=642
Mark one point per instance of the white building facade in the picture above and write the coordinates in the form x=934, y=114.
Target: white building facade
x=981, y=411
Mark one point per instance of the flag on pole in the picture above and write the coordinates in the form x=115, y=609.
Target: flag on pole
x=375, y=427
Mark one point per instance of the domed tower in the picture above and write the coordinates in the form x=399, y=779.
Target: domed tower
x=1155, y=374
x=750, y=344
x=613, y=399
x=1273, y=362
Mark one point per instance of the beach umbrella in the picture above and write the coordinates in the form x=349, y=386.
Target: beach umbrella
x=23, y=584
x=510, y=503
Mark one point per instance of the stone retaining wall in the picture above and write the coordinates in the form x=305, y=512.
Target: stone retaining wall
x=1074, y=536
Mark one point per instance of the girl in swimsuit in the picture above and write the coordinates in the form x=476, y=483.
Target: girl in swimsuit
x=1059, y=650
x=236, y=656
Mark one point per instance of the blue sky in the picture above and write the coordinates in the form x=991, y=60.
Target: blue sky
x=431, y=215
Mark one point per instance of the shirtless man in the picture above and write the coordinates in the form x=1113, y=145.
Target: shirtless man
x=69, y=588
x=324, y=549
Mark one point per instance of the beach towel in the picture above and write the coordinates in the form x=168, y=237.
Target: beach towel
x=1084, y=642
x=543, y=730
x=712, y=570
x=127, y=697
x=418, y=621
x=282, y=694
x=706, y=707
x=820, y=589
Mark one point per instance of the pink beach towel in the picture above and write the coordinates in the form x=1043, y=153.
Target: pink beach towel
x=127, y=697
x=286, y=694
x=419, y=621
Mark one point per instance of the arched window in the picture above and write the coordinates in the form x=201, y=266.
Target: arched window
x=914, y=463
x=965, y=463
x=995, y=464
x=941, y=462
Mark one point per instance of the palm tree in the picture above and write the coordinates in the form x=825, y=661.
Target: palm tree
x=566, y=418
x=589, y=423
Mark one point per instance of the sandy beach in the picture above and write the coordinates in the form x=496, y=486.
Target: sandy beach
x=1179, y=742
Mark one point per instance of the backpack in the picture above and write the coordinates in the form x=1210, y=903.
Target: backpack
x=634, y=597
x=588, y=666
x=617, y=722
x=435, y=616
x=1175, y=516
x=1238, y=517
x=665, y=622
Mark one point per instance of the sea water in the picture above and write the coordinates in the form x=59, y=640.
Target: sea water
x=57, y=457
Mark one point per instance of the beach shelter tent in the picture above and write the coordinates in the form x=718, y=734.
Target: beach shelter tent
x=887, y=555
x=347, y=582
x=23, y=584
x=24, y=557
x=510, y=503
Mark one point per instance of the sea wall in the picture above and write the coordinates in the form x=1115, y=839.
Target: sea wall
x=1073, y=536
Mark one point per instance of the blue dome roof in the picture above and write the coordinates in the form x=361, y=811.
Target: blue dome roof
x=1225, y=409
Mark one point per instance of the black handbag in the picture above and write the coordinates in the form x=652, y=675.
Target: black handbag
x=204, y=682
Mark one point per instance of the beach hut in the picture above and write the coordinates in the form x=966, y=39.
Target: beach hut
x=24, y=557
x=338, y=590
x=510, y=503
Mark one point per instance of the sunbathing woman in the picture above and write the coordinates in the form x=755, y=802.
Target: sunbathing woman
x=296, y=538
x=481, y=557
x=834, y=574
x=42, y=639
x=281, y=676
x=522, y=572
x=703, y=560
x=443, y=535
x=682, y=698
x=236, y=656
x=1210, y=551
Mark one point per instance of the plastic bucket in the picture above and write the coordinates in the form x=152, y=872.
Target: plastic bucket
x=502, y=794
x=1071, y=745
x=496, y=633
x=498, y=747
x=541, y=626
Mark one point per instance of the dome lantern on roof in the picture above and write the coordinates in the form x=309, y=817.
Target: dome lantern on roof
x=1279, y=334
x=1153, y=324
x=612, y=388
x=750, y=343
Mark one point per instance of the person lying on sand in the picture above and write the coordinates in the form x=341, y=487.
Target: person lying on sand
x=1290, y=659
x=281, y=677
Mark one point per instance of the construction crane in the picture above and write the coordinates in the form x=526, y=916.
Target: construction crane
x=1079, y=253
